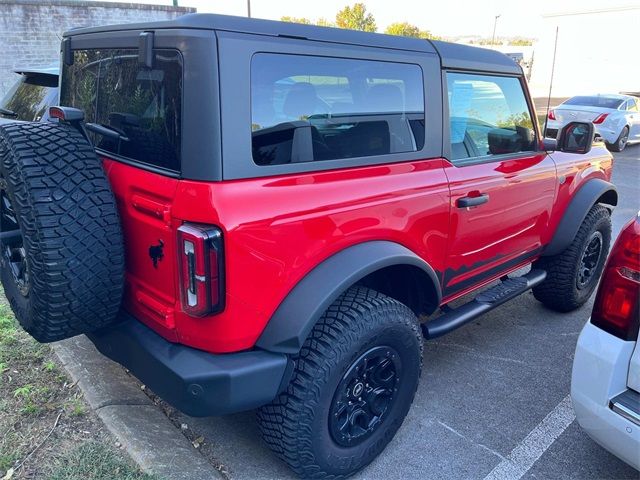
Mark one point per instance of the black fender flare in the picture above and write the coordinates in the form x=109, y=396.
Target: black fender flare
x=296, y=315
x=585, y=198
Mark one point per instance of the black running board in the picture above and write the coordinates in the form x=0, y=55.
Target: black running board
x=485, y=301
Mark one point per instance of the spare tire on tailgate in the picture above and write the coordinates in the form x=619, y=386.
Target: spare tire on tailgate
x=62, y=257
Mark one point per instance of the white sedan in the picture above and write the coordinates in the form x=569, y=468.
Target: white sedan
x=615, y=117
x=605, y=384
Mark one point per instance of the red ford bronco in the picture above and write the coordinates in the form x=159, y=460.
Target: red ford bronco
x=253, y=214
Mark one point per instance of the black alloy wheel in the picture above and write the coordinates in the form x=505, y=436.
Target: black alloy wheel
x=12, y=249
x=590, y=260
x=365, y=394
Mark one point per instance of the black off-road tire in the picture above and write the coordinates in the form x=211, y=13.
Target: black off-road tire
x=296, y=425
x=560, y=291
x=70, y=228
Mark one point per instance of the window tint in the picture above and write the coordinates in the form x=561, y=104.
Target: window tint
x=632, y=105
x=489, y=115
x=319, y=108
x=29, y=98
x=595, y=101
x=143, y=104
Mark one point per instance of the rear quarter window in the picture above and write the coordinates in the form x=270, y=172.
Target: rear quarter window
x=310, y=108
x=143, y=104
x=30, y=96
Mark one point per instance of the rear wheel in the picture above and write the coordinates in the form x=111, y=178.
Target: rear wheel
x=573, y=274
x=61, y=252
x=621, y=142
x=352, y=386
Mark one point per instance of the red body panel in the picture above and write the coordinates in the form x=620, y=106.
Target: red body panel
x=573, y=171
x=277, y=229
x=508, y=227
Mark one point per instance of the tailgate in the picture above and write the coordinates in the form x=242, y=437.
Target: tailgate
x=144, y=203
x=576, y=115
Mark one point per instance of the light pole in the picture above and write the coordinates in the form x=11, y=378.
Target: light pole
x=249, y=8
x=495, y=22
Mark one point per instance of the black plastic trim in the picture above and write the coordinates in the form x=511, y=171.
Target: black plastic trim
x=586, y=197
x=145, y=49
x=196, y=382
x=484, y=302
x=300, y=310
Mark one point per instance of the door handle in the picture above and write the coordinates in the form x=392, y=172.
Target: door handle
x=474, y=201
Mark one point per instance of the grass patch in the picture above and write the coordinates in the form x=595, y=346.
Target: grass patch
x=95, y=461
x=47, y=429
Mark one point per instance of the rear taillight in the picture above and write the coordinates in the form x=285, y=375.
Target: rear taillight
x=600, y=118
x=552, y=115
x=617, y=305
x=201, y=269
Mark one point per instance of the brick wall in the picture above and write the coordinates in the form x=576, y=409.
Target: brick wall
x=30, y=30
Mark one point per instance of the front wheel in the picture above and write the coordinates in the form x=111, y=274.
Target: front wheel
x=573, y=274
x=621, y=142
x=353, y=383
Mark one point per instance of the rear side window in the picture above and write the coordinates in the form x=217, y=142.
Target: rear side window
x=488, y=116
x=596, y=101
x=29, y=98
x=306, y=108
x=143, y=104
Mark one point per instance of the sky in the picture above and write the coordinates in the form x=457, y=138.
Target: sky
x=449, y=18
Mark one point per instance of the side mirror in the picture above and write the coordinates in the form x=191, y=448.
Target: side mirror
x=576, y=137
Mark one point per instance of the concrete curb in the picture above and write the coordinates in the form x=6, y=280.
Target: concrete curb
x=151, y=440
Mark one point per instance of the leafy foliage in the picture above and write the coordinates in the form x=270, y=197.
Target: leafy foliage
x=323, y=22
x=289, y=19
x=521, y=42
x=520, y=119
x=356, y=18
x=406, y=29
x=403, y=29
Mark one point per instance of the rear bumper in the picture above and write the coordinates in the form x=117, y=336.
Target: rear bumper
x=600, y=369
x=197, y=383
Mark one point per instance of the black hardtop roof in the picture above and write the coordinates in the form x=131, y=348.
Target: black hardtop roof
x=452, y=55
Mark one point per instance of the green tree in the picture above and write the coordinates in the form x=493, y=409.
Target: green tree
x=403, y=29
x=303, y=20
x=356, y=18
x=323, y=22
x=521, y=42
x=407, y=30
x=426, y=34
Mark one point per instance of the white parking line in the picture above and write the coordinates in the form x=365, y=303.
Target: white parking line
x=529, y=450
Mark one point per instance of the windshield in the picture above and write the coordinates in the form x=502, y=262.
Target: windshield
x=602, y=102
x=29, y=97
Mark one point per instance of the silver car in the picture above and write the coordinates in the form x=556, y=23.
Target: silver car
x=615, y=117
x=29, y=99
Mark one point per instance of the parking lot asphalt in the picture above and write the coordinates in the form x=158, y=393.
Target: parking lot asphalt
x=492, y=402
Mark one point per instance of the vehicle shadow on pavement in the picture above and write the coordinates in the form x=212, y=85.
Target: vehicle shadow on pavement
x=483, y=389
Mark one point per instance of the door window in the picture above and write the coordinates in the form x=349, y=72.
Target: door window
x=488, y=116
x=632, y=105
x=144, y=104
x=306, y=108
